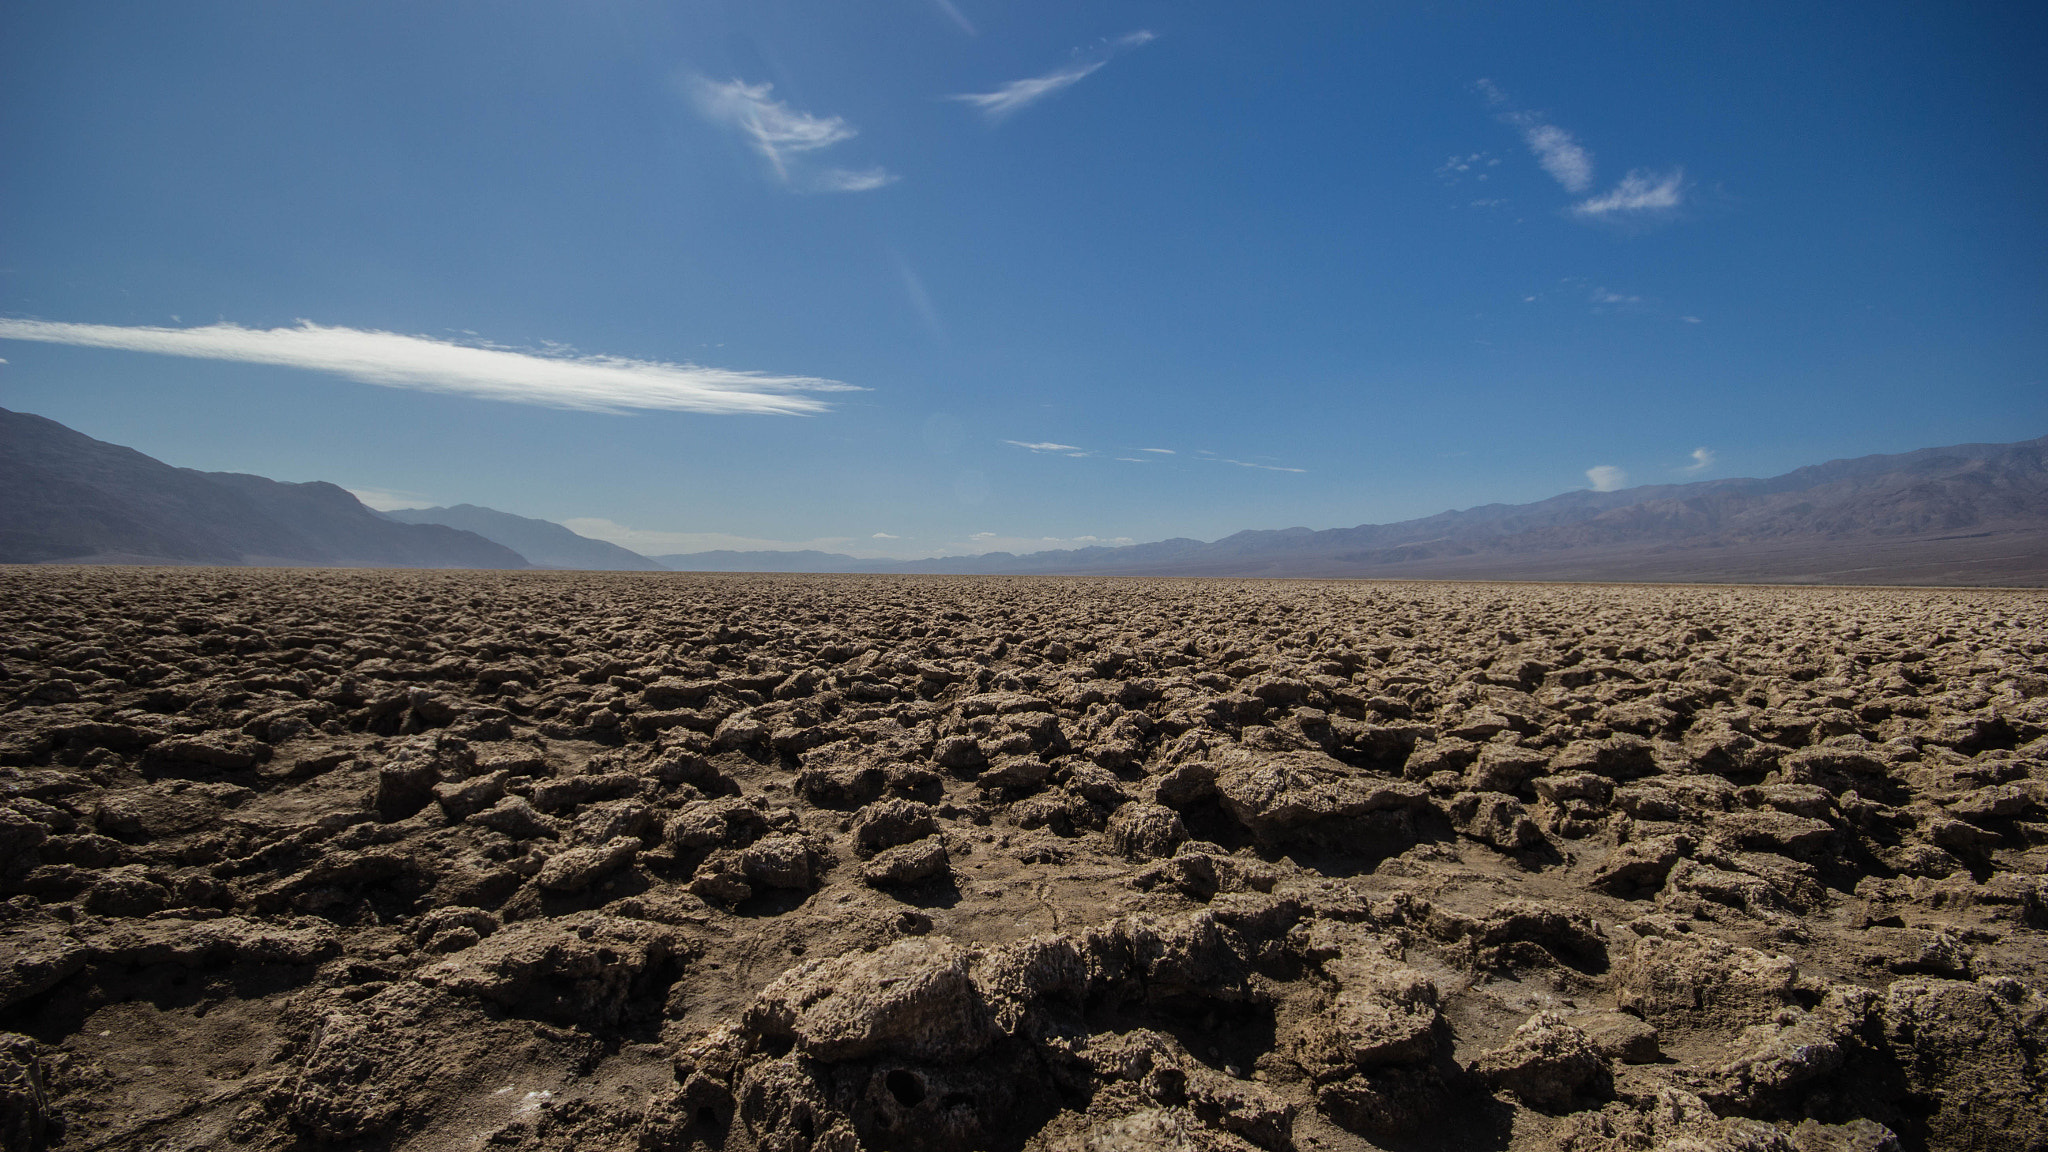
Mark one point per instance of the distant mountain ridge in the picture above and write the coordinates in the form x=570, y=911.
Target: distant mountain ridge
x=1964, y=514
x=1968, y=514
x=544, y=542
x=807, y=560
x=71, y=498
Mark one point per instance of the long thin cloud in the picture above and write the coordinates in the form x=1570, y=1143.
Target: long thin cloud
x=588, y=383
x=850, y=180
x=1215, y=459
x=1018, y=94
x=1049, y=446
x=957, y=17
x=783, y=135
x=1638, y=192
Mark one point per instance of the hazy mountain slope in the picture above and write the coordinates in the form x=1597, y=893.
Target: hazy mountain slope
x=808, y=560
x=346, y=532
x=1964, y=514
x=69, y=497
x=543, y=542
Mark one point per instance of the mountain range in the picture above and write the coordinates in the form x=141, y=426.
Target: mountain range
x=1970, y=514
x=73, y=499
x=544, y=542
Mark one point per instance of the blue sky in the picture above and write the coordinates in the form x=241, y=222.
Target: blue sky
x=914, y=277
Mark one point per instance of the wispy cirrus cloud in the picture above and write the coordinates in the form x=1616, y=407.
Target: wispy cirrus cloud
x=1047, y=446
x=1570, y=163
x=1021, y=93
x=1155, y=455
x=1702, y=459
x=1205, y=454
x=1473, y=164
x=1557, y=152
x=1607, y=302
x=1009, y=98
x=553, y=378
x=1638, y=191
x=1606, y=478
x=850, y=180
x=784, y=135
x=959, y=19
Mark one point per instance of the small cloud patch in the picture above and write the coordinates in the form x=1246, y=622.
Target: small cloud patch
x=1606, y=478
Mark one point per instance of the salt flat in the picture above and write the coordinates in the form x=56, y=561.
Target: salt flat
x=650, y=861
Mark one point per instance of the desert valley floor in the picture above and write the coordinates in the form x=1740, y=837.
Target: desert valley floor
x=439, y=860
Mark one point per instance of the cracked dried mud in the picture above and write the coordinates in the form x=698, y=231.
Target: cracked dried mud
x=528, y=861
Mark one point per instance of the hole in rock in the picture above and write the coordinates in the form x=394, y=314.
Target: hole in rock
x=905, y=1087
x=1206, y=819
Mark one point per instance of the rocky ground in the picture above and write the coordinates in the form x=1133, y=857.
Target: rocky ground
x=551, y=861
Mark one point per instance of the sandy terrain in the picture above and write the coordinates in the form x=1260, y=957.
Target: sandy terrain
x=644, y=861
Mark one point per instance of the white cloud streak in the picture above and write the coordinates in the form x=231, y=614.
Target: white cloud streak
x=947, y=8
x=921, y=303
x=848, y=180
x=1702, y=459
x=548, y=379
x=1049, y=446
x=783, y=135
x=1559, y=154
x=1609, y=296
x=1019, y=94
x=1212, y=457
x=1556, y=150
x=1638, y=191
x=1606, y=478
x=1161, y=451
x=1570, y=164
